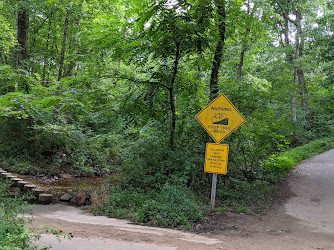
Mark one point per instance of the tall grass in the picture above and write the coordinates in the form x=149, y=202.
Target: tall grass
x=286, y=161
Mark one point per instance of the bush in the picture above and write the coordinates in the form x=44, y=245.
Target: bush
x=13, y=233
x=284, y=162
x=173, y=206
x=124, y=203
x=53, y=131
x=149, y=164
x=253, y=195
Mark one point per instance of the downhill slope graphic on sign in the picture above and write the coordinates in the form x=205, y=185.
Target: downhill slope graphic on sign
x=220, y=119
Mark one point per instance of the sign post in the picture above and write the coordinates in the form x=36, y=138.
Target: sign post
x=216, y=158
x=219, y=118
x=213, y=192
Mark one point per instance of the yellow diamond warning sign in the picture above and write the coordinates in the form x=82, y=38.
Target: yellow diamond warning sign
x=216, y=156
x=220, y=118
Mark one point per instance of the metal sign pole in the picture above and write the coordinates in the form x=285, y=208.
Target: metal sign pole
x=213, y=192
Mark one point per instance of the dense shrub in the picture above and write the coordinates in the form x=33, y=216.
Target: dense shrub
x=173, y=206
x=51, y=131
x=284, y=162
x=13, y=233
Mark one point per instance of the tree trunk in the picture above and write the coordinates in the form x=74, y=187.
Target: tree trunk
x=299, y=53
x=219, y=49
x=62, y=55
x=294, y=96
x=244, y=47
x=22, y=26
x=299, y=46
x=47, y=48
x=241, y=64
x=289, y=53
x=303, y=90
x=290, y=59
x=171, y=96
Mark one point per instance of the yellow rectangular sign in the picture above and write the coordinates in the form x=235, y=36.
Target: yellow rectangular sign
x=216, y=157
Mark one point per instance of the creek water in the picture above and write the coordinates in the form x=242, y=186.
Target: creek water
x=59, y=185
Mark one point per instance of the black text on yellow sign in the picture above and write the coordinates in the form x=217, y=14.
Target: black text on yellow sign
x=216, y=157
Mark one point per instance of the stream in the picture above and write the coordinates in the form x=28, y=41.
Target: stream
x=60, y=185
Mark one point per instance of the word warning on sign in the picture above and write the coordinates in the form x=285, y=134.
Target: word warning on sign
x=216, y=157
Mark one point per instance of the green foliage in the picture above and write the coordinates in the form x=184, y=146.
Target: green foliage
x=149, y=164
x=47, y=132
x=11, y=164
x=7, y=35
x=57, y=232
x=244, y=196
x=172, y=206
x=284, y=162
x=124, y=203
x=242, y=210
x=13, y=233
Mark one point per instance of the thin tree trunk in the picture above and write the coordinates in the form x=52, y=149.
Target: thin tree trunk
x=47, y=48
x=299, y=53
x=244, y=47
x=290, y=59
x=4, y=61
x=171, y=96
x=219, y=49
x=303, y=90
x=299, y=46
x=294, y=96
x=289, y=53
x=22, y=26
x=241, y=64
x=62, y=55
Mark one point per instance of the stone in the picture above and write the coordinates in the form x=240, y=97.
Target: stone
x=10, y=176
x=82, y=198
x=45, y=198
x=37, y=192
x=66, y=197
x=28, y=187
x=20, y=184
x=15, y=181
x=66, y=176
x=5, y=174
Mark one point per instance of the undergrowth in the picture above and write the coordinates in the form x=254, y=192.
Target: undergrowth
x=284, y=162
x=177, y=205
x=172, y=206
x=13, y=233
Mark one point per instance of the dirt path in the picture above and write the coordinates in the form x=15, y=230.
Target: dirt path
x=301, y=218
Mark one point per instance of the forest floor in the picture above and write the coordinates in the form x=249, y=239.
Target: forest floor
x=300, y=217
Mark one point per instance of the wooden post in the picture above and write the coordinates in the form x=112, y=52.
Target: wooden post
x=213, y=192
